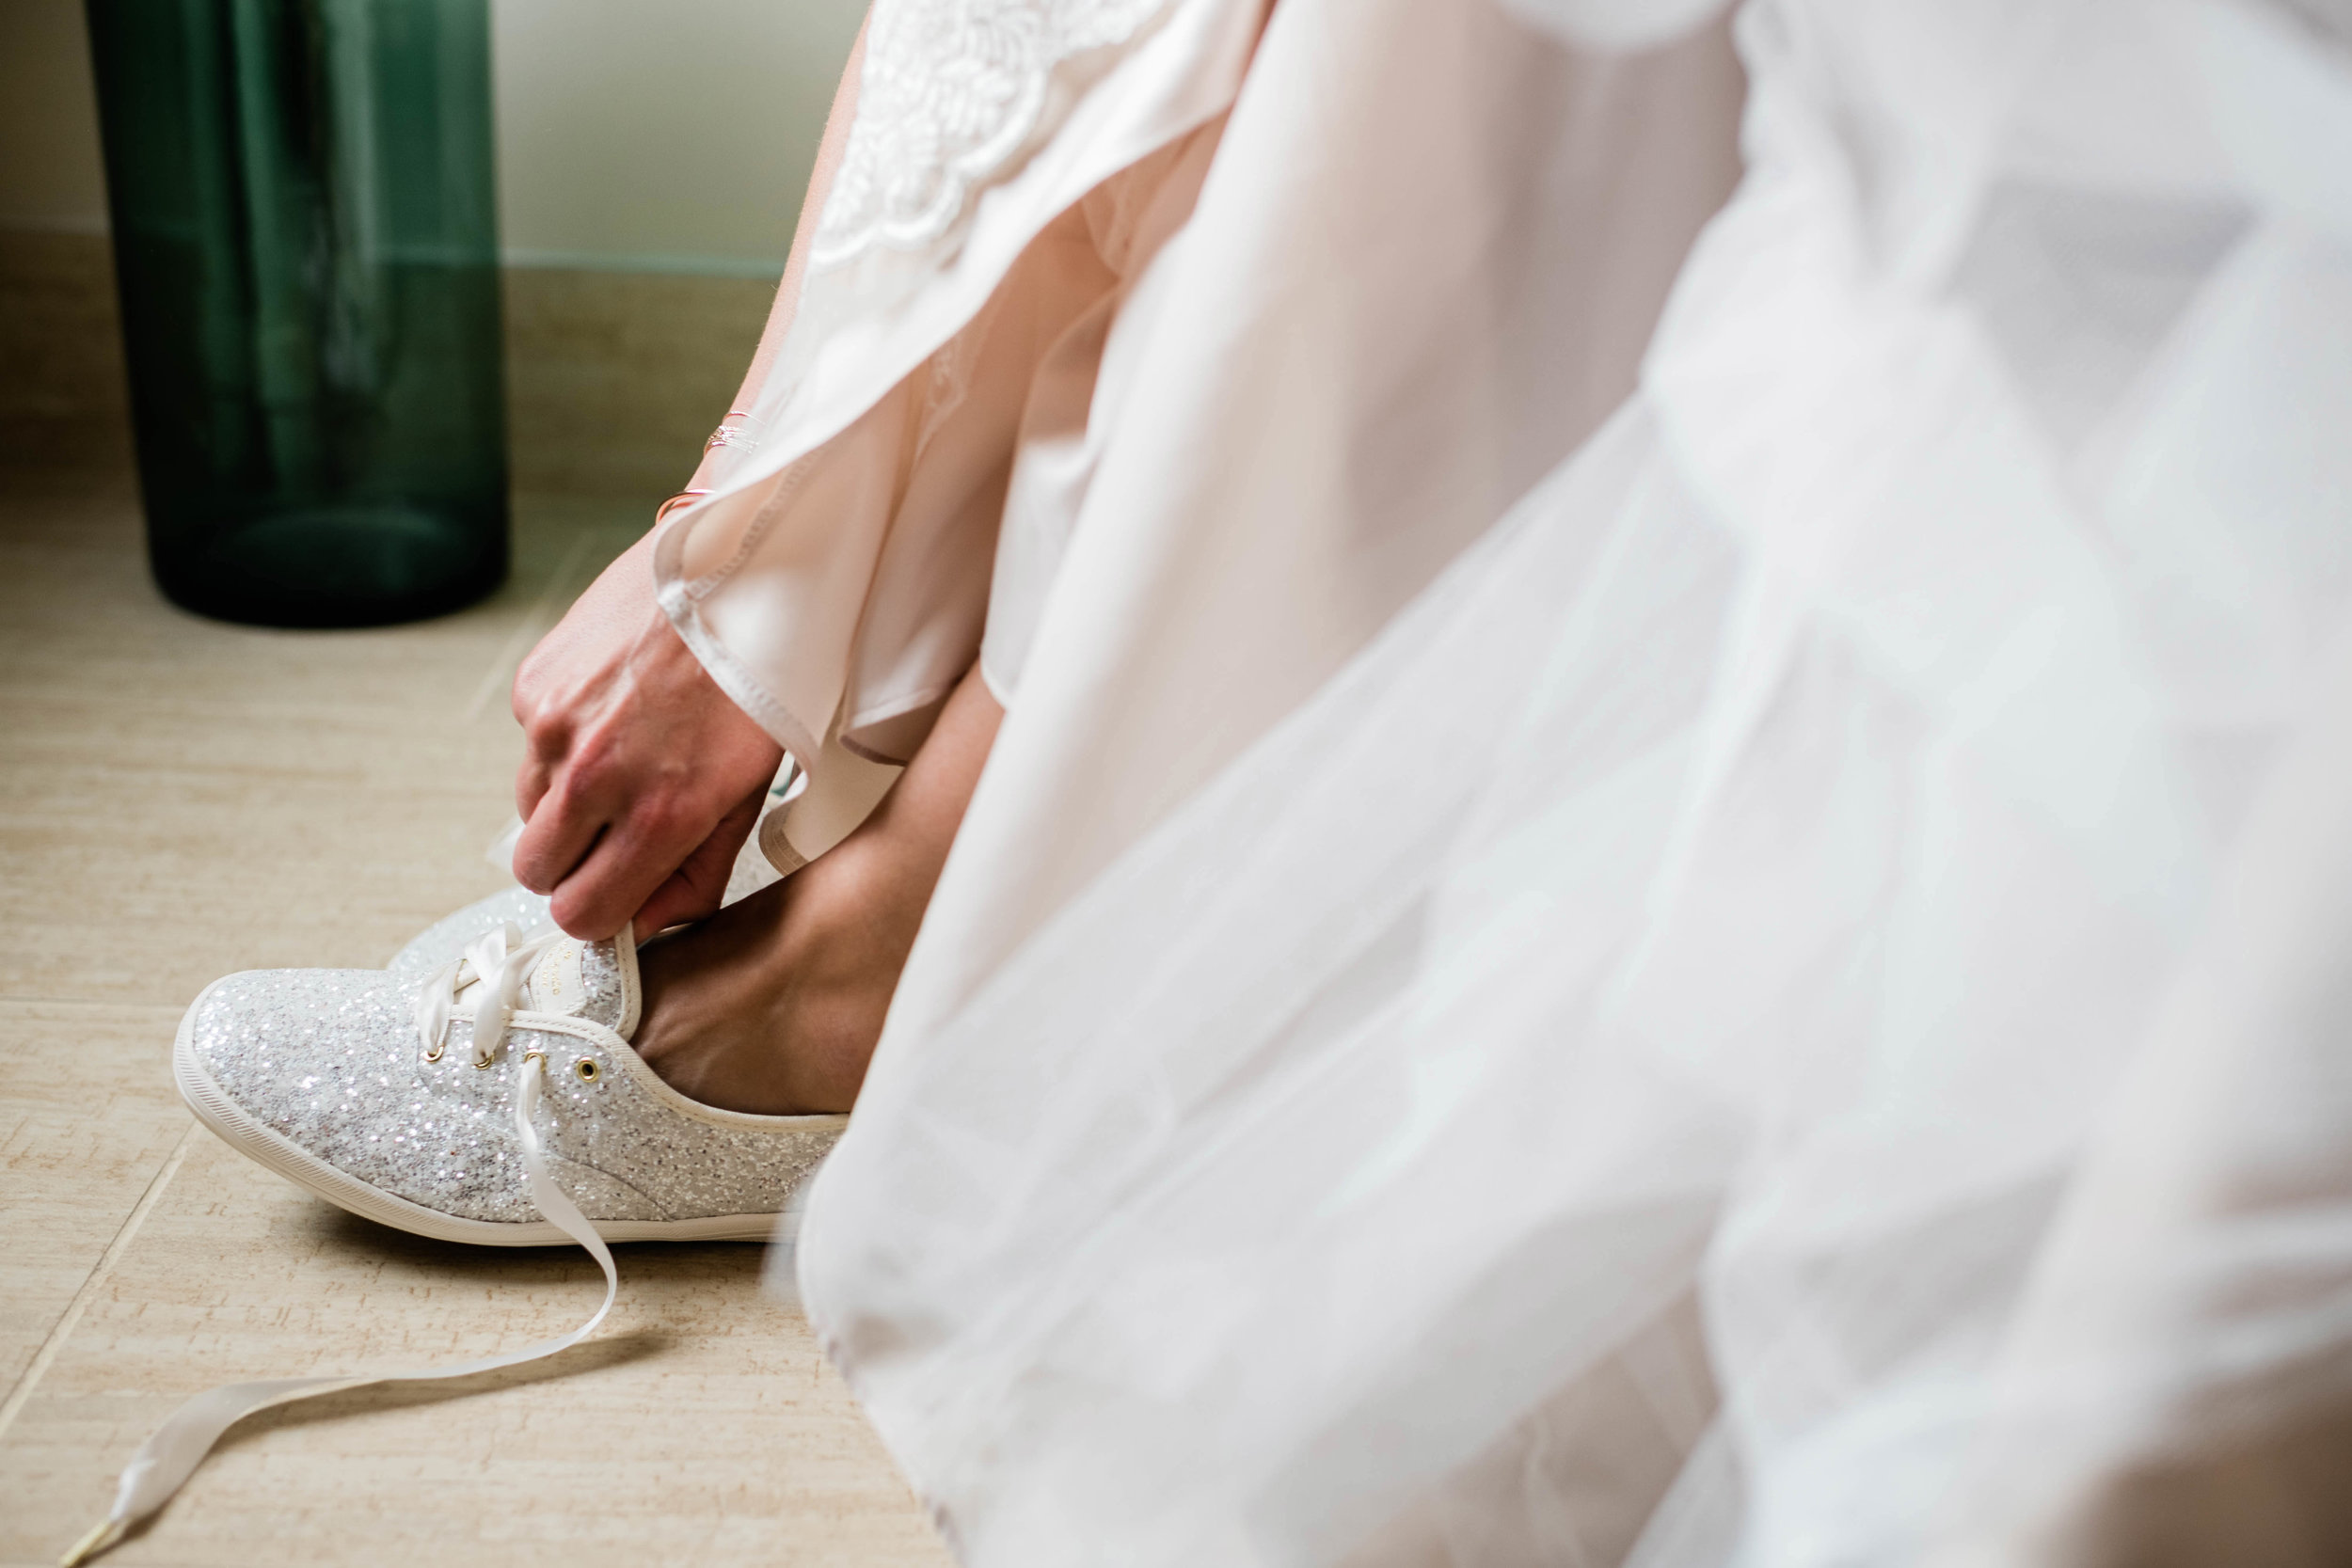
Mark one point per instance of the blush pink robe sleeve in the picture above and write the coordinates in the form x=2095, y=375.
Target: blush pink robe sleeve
x=993, y=183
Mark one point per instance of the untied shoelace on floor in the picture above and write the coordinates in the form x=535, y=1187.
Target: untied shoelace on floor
x=165, y=1460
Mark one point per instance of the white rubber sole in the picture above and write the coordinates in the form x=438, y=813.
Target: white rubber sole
x=271, y=1149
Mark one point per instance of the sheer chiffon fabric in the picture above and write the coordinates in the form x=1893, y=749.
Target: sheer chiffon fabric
x=1748, y=978
x=1747, y=974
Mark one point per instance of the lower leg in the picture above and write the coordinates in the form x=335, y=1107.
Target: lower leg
x=775, y=1004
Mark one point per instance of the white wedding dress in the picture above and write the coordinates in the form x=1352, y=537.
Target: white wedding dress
x=1735, y=951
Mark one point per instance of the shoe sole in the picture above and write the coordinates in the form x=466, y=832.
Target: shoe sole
x=274, y=1150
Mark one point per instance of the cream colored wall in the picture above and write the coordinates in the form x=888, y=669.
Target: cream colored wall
x=662, y=134
x=637, y=135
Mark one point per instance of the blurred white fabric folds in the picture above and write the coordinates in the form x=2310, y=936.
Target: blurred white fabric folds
x=1761, y=978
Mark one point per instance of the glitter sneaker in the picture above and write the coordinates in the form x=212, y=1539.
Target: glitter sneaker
x=396, y=1095
x=494, y=1100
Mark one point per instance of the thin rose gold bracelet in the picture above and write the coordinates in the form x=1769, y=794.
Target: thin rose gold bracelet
x=684, y=497
x=726, y=435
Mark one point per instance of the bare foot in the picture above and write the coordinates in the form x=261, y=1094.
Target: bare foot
x=774, y=1004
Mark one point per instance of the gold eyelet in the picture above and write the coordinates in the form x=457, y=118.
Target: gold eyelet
x=585, y=1070
x=433, y=1054
x=482, y=1063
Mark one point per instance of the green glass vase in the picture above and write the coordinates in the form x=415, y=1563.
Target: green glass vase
x=305, y=247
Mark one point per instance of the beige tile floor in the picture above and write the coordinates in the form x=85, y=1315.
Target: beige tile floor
x=178, y=799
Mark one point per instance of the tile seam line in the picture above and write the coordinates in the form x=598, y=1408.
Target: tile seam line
x=510, y=652
x=99, y=1272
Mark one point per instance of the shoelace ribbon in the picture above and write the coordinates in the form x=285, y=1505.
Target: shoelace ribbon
x=178, y=1446
x=501, y=961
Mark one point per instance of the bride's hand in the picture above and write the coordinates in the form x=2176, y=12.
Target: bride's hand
x=643, y=778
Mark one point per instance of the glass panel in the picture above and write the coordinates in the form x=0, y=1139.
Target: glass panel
x=306, y=241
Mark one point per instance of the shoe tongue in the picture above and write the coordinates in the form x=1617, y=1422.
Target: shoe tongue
x=594, y=981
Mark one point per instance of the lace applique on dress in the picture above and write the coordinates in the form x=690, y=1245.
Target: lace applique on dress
x=951, y=91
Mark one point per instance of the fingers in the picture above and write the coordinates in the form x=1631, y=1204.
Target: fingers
x=567, y=676
x=536, y=773
x=621, y=869
x=561, y=817
x=695, y=888
x=532, y=781
x=560, y=829
x=675, y=902
x=547, y=725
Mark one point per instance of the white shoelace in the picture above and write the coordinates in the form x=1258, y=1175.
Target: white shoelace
x=501, y=961
x=167, y=1459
